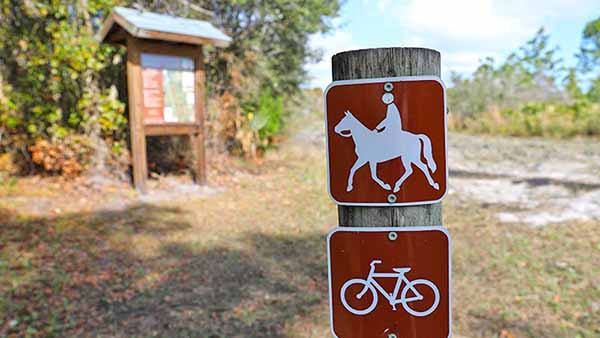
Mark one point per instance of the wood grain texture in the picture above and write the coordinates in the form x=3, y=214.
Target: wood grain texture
x=171, y=128
x=168, y=48
x=387, y=62
x=136, y=124
x=198, y=136
x=188, y=39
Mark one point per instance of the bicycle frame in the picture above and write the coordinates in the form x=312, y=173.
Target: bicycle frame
x=391, y=297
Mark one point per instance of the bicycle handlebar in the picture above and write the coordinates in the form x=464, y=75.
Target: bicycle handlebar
x=375, y=262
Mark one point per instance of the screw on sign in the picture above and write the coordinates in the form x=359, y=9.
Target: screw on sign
x=389, y=282
x=386, y=141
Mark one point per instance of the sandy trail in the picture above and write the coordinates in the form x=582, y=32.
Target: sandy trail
x=540, y=181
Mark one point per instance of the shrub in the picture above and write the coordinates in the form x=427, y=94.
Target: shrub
x=535, y=119
x=247, y=128
x=60, y=83
x=524, y=96
x=67, y=156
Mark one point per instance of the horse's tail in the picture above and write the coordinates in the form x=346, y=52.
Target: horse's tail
x=427, y=152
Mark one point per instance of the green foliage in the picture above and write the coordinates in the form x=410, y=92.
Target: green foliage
x=260, y=122
x=590, y=45
x=263, y=66
x=536, y=119
x=527, y=75
x=593, y=93
x=530, y=93
x=589, y=58
x=54, y=73
x=57, y=80
x=270, y=42
x=269, y=115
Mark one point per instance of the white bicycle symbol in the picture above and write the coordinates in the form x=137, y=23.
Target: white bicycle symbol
x=371, y=284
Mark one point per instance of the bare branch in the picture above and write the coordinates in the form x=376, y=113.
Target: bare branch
x=196, y=8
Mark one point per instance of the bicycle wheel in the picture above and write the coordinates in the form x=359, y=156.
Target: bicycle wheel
x=413, y=284
x=364, y=284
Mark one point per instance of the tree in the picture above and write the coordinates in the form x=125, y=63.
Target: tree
x=571, y=85
x=527, y=75
x=267, y=54
x=589, y=57
x=271, y=37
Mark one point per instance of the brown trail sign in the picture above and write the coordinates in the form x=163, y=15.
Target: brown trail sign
x=389, y=282
x=386, y=145
x=386, y=141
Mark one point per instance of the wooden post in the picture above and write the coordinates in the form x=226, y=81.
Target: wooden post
x=387, y=62
x=197, y=139
x=136, y=119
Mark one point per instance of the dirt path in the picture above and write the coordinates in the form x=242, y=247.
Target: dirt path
x=539, y=181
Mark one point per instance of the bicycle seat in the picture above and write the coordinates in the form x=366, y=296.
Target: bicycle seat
x=401, y=270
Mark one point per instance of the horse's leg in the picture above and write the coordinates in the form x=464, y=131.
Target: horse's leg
x=359, y=163
x=373, y=166
x=425, y=171
x=407, y=171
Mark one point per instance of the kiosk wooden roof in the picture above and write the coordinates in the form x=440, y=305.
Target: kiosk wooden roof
x=148, y=25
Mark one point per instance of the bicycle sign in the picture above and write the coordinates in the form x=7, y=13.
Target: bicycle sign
x=386, y=282
x=370, y=284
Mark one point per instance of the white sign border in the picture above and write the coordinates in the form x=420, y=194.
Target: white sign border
x=390, y=229
x=382, y=80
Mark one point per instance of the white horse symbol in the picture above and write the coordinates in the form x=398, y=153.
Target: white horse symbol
x=392, y=142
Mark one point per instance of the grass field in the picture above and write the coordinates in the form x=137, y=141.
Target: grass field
x=250, y=261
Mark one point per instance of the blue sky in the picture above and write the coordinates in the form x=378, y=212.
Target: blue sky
x=464, y=31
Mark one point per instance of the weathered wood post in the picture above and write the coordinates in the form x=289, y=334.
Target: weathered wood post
x=197, y=138
x=136, y=119
x=387, y=62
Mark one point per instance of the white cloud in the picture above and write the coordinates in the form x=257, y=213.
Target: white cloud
x=382, y=5
x=540, y=9
x=459, y=21
x=464, y=31
x=463, y=62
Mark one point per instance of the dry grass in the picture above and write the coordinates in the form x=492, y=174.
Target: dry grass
x=531, y=282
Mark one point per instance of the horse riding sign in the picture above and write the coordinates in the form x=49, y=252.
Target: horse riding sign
x=395, y=125
x=389, y=282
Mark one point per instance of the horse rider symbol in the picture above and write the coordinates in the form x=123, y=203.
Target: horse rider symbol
x=387, y=141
